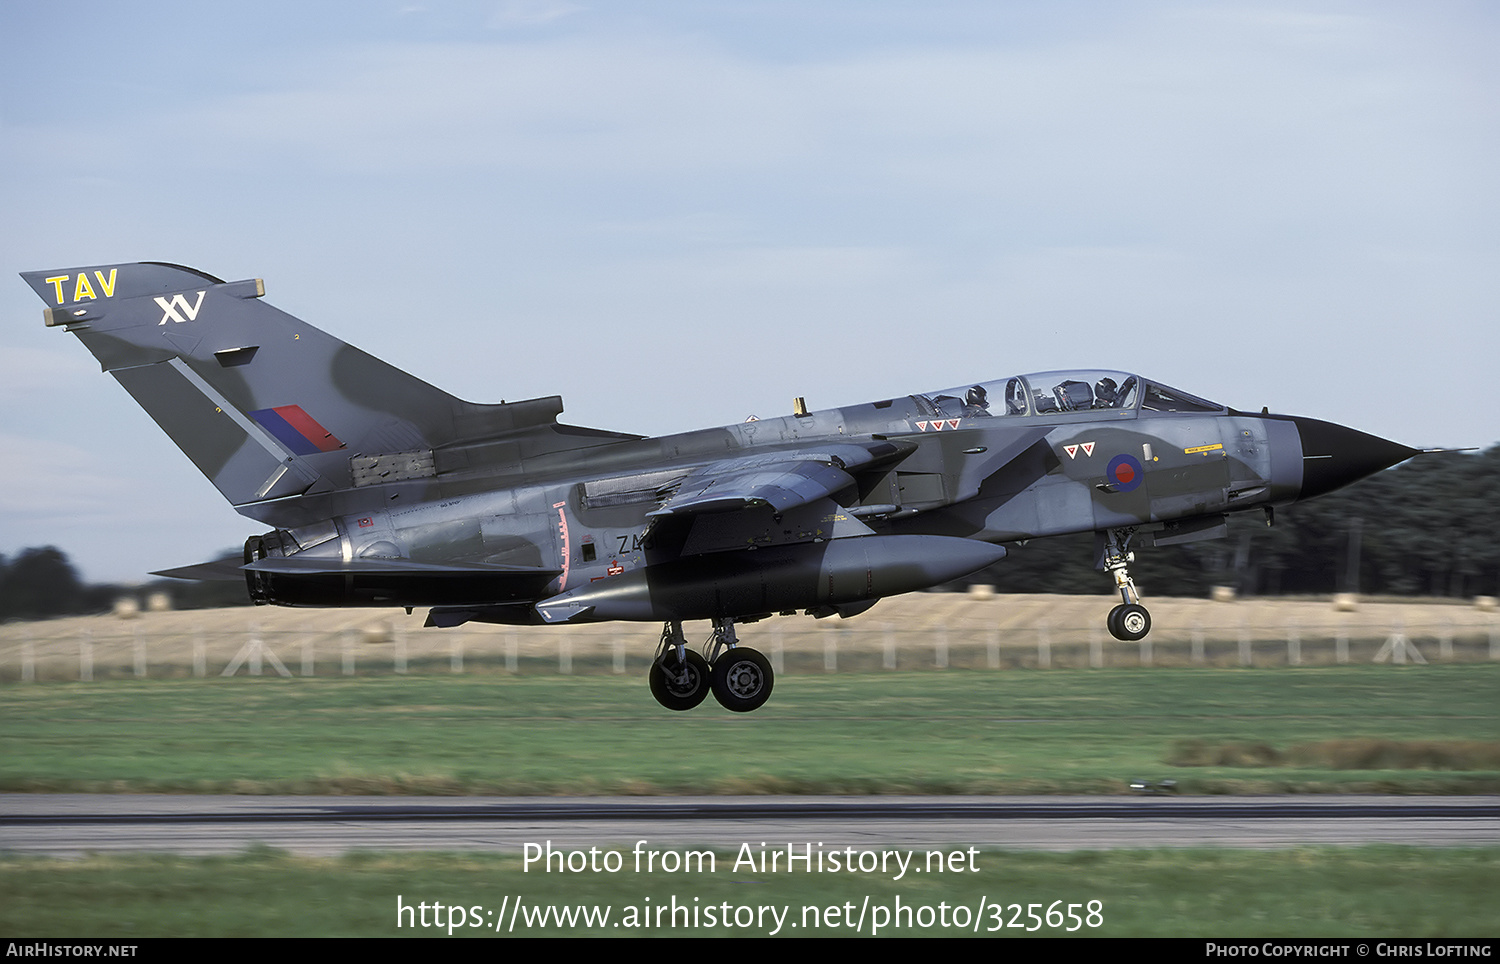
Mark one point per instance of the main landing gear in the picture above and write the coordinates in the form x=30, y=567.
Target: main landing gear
x=740, y=678
x=1128, y=621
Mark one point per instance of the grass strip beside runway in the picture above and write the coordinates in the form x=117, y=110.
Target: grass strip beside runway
x=1412, y=729
x=1375, y=892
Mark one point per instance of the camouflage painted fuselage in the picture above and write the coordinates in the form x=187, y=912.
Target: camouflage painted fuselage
x=384, y=490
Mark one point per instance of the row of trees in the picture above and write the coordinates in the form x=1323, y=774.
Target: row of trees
x=1428, y=527
x=41, y=583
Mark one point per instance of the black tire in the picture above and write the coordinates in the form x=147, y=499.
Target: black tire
x=676, y=690
x=1129, y=622
x=742, y=680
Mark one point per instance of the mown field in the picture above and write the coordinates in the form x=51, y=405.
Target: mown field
x=1332, y=892
x=911, y=632
x=1412, y=729
x=1409, y=729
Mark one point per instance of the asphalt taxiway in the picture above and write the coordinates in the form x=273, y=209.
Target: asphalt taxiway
x=68, y=825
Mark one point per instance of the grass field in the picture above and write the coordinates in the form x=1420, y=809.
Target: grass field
x=1353, y=892
x=910, y=632
x=1413, y=729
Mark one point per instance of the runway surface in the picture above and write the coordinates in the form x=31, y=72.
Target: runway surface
x=68, y=825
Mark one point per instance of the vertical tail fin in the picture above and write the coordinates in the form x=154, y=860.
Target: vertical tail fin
x=267, y=406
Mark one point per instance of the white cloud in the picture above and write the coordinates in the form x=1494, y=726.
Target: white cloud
x=530, y=13
x=48, y=479
x=29, y=375
x=1194, y=122
x=675, y=215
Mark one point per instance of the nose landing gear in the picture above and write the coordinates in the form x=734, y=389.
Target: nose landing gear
x=1128, y=621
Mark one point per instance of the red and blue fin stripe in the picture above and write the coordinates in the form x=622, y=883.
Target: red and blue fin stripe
x=296, y=429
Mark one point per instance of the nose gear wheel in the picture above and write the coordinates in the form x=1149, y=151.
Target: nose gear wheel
x=1128, y=621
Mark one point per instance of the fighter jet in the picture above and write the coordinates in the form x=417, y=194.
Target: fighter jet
x=383, y=490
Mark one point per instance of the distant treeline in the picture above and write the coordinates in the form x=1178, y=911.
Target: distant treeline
x=40, y=583
x=1428, y=527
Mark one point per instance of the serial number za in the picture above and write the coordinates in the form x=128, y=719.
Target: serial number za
x=634, y=542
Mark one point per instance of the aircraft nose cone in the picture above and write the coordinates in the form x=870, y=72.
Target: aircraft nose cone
x=1333, y=455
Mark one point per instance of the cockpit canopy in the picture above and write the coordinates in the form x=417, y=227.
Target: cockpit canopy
x=1047, y=393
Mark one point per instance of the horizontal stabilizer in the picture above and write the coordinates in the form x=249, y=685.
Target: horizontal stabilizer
x=220, y=570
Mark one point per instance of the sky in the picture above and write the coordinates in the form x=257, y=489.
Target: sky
x=678, y=214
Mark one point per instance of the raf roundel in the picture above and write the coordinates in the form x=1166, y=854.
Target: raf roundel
x=1124, y=472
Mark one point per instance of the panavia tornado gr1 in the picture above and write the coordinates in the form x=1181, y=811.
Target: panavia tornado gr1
x=386, y=491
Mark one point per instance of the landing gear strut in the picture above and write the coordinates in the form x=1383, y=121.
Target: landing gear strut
x=1128, y=621
x=740, y=678
x=679, y=677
